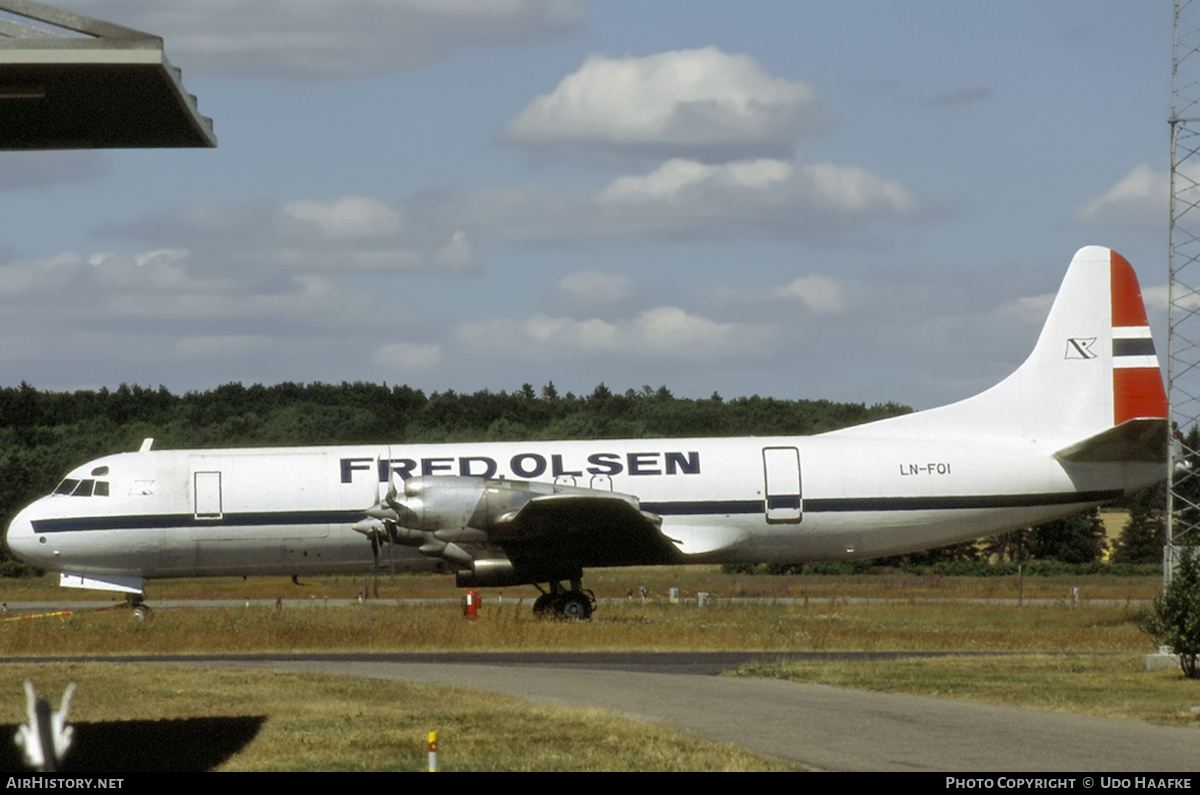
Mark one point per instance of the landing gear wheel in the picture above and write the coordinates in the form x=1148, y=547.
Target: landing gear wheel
x=141, y=611
x=575, y=605
x=544, y=606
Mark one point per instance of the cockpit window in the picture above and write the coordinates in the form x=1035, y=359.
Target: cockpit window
x=83, y=488
x=99, y=472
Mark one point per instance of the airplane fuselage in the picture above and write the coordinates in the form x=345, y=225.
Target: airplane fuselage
x=289, y=511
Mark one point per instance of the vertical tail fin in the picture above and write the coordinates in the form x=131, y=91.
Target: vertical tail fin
x=1093, y=368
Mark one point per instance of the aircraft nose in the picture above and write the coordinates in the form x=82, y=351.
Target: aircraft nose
x=21, y=539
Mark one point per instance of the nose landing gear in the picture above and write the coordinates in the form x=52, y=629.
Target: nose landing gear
x=137, y=601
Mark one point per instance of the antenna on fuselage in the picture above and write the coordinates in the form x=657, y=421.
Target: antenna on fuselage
x=147, y=443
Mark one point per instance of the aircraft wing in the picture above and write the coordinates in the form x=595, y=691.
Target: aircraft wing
x=597, y=528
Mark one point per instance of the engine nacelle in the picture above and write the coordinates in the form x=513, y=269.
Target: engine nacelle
x=499, y=572
x=494, y=573
x=450, y=505
x=432, y=503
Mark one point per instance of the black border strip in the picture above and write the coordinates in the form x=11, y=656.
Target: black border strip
x=1135, y=346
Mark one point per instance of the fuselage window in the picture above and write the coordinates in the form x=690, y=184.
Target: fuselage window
x=99, y=472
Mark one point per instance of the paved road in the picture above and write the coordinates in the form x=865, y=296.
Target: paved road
x=821, y=727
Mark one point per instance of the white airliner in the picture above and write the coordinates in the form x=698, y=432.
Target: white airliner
x=1081, y=422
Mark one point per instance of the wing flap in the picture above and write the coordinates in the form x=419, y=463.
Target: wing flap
x=121, y=583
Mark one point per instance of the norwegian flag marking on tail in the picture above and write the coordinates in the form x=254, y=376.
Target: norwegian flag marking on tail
x=1137, y=381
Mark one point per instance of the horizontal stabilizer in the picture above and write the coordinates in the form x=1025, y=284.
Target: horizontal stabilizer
x=1140, y=440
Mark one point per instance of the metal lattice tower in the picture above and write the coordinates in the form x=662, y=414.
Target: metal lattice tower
x=1183, y=335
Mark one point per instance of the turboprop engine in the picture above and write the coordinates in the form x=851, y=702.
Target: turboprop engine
x=463, y=520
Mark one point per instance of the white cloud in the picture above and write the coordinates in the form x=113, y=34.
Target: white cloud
x=457, y=254
x=224, y=346
x=1139, y=199
x=350, y=233
x=27, y=277
x=754, y=197
x=346, y=218
x=330, y=38
x=1029, y=310
x=673, y=179
x=661, y=333
x=162, y=316
x=703, y=104
x=1158, y=299
x=167, y=288
x=445, y=233
x=818, y=293
x=399, y=356
x=597, y=286
x=850, y=189
x=24, y=170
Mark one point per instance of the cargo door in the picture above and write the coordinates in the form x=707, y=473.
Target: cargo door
x=781, y=485
x=206, y=489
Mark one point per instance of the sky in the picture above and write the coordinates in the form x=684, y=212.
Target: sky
x=866, y=202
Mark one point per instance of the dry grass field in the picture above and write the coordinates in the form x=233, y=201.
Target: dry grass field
x=857, y=613
x=753, y=613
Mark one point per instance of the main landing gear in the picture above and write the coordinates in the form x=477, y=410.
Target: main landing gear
x=559, y=602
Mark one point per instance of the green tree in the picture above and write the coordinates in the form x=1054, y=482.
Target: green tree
x=1175, y=622
x=1142, y=538
x=1074, y=539
x=1014, y=545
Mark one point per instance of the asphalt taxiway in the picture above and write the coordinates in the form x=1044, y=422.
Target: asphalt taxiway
x=825, y=728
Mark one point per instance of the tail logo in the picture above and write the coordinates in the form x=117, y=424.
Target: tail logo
x=1080, y=348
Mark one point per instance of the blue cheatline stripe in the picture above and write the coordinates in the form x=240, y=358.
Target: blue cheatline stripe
x=693, y=508
x=875, y=504
x=160, y=521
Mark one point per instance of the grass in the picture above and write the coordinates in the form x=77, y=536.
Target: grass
x=618, y=583
x=328, y=723
x=658, y=626
x=1103, y=686
x=872, y=612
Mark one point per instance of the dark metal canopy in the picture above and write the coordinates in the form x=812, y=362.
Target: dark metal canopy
x=72, y=82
